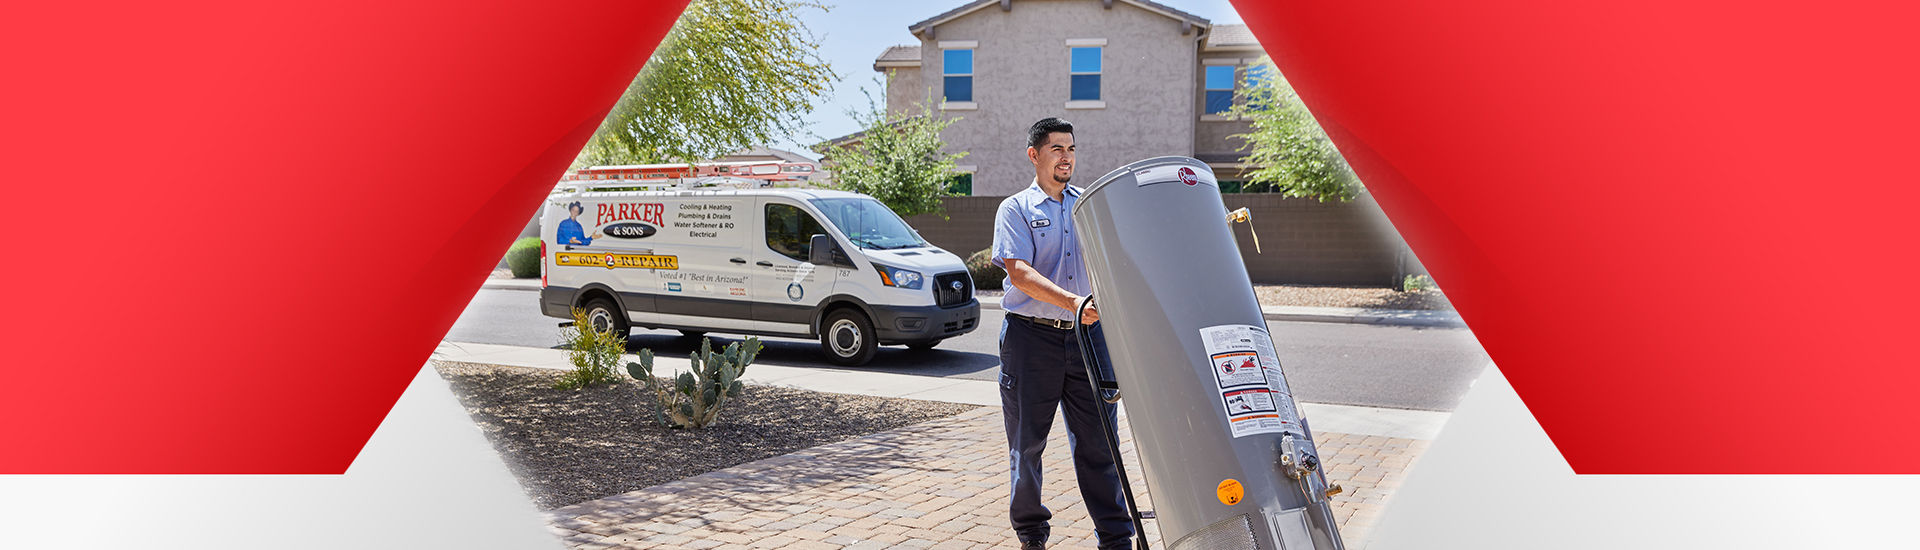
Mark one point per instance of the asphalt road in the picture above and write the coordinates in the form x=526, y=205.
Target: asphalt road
x=1376, y=366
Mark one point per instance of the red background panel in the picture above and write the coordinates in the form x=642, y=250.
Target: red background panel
x=241, y=227
x=1681, y=229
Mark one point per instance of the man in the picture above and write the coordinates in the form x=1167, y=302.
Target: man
x=1041, y=369
x=570, y=232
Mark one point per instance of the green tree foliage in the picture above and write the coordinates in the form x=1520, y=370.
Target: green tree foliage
x=898, y=160
x=1293, y=154
x=730, y=74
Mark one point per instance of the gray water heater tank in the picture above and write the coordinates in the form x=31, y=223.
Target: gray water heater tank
x=1229, y=462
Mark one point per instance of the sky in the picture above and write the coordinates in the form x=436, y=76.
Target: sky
x=856, y=31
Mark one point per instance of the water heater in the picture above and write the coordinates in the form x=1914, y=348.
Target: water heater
x=1227, y=457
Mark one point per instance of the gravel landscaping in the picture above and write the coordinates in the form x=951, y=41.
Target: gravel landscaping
x=568, y=447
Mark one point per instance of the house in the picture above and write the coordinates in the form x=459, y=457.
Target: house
x=1138, y=79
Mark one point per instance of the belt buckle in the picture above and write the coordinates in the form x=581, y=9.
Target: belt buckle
x=1055, y=323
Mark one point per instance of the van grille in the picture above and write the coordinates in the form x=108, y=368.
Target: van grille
x=944, y=292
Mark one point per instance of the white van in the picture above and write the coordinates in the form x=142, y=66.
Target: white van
x=804, y=263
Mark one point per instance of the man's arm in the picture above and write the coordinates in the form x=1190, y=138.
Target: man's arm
x=1034, y=284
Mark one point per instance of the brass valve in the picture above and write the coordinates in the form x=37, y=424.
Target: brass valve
x=1243, y=215
x=1334, y=489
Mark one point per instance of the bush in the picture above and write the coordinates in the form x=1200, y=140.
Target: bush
x=594, y=354
x=1417, y=283
x=985, y=274
x=693, y=399
x=523, y=258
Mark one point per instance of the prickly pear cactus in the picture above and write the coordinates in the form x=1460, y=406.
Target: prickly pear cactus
x=693, y=399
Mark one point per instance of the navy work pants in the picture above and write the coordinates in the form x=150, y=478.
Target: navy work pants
x=1041, y=371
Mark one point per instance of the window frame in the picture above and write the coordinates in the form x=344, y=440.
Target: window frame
x=1207, y=89
x=1100, y=65
x=946, y=73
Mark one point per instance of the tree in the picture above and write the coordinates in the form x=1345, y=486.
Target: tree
x=730, y=74
x=1292, y=152
x=898, y=160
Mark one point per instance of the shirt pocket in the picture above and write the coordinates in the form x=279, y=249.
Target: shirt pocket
x=1045, y=233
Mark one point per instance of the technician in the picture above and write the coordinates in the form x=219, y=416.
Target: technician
x=570, y=233
x=1041, y=369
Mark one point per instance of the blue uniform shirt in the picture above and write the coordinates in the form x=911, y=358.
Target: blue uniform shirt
x=1031, y=226
x=570, y=230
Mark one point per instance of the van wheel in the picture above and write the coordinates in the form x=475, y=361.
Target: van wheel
x=923, y=346
x=847, y=337
x=603, y=315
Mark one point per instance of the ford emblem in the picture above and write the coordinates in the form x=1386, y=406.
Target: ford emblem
x=957, y=285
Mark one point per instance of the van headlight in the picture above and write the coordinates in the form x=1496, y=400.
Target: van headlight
x=900, y=278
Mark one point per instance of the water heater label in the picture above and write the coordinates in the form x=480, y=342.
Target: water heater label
x=1253, y=393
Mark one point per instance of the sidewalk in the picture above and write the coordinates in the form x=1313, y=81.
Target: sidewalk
x=941, y=484
x=1395, y=317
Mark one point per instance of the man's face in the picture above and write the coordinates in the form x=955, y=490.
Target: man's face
x=574, y=211
x=1054, y=156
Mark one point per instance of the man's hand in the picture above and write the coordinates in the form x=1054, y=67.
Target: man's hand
x=1091, y=315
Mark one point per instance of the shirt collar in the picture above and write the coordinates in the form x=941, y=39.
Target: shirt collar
x=1070, y=191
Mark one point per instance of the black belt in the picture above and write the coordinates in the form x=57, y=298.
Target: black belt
x=1044, y=322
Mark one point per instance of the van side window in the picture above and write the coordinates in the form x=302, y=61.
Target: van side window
x=790, y=231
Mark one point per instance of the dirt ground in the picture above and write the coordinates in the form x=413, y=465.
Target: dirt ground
x=567, y=447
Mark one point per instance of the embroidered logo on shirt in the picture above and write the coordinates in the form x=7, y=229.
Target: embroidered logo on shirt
x=1041, y=223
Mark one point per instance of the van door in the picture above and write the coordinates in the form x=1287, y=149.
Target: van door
x=709, y=287
x=787, y=288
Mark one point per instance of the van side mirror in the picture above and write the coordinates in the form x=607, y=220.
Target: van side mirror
x=820, y=251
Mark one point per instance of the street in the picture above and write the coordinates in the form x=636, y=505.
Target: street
x=1347, y=364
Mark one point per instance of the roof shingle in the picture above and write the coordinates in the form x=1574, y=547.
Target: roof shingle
x=1227, y=36
x=899, y=53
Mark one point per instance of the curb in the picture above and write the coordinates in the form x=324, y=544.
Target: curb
x=1358, y=316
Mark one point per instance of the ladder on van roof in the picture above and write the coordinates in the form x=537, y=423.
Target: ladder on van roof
x=658, y=184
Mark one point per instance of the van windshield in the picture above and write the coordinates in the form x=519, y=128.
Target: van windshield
x=868, y=223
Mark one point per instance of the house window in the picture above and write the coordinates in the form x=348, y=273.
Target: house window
x=1256, y=76
x=1085, y=71
x=961, y=184
x=1219, y=87
x=957, y=68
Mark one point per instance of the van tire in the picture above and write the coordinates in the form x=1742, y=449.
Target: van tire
x=923, y=346
x=601, y=306
x=847, y=337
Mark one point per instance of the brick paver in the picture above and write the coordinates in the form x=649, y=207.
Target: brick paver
x=939, y=485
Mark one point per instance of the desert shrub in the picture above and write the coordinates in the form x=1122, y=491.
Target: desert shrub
x=693, y=399
x=1417, y=283
x=594, y=354
x=985, y=274
x=523, y=258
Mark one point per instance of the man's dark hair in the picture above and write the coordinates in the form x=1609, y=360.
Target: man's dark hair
x=1037, y=134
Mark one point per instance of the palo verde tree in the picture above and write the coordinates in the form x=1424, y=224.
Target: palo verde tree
x=730, y=74
x=1291, y=151
x=897, y=160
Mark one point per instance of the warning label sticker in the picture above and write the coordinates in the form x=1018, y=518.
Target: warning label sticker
x=1253, y=394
